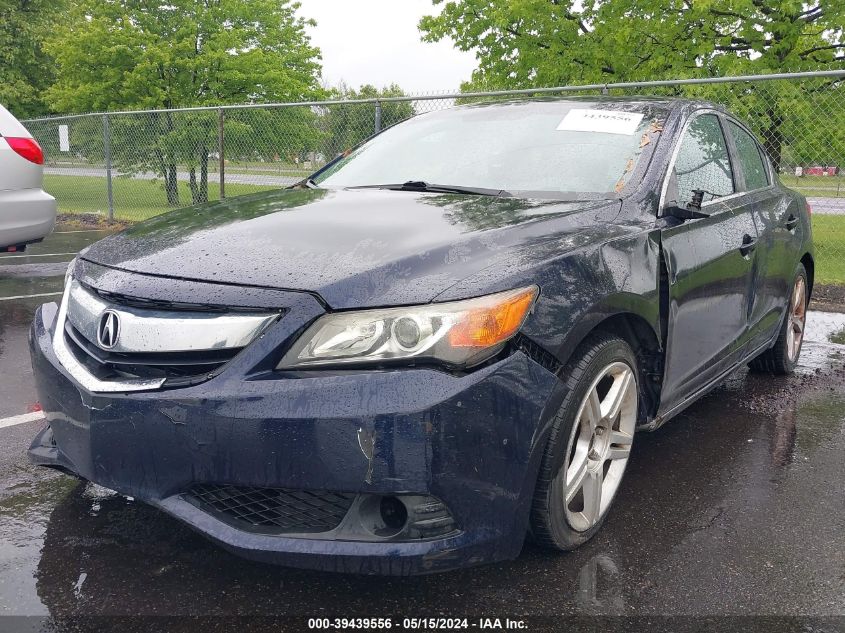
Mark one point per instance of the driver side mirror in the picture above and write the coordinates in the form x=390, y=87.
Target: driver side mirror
x=692, y=211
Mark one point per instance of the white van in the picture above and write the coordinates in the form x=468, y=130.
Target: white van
x=27, y=212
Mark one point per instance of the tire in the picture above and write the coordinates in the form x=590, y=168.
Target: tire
x=782, y=359
x=602, y=364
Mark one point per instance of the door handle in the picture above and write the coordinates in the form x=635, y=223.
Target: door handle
x=791, y=222
x=748, y=245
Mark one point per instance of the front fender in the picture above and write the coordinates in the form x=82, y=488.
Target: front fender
x=584, y=279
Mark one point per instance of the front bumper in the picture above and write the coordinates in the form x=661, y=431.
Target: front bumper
x=473, y=441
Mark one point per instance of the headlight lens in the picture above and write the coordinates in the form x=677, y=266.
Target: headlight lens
x=460, y=333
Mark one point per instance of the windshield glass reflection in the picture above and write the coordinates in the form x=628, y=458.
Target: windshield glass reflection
x=551, y=147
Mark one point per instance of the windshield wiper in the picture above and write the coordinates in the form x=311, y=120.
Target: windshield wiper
x=307, y=183
x=421, y=185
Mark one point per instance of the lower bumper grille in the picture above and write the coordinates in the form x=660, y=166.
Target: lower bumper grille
x=272, y=510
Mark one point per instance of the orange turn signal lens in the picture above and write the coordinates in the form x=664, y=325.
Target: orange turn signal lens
x=495, y=323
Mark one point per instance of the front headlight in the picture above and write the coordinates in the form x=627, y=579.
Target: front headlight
x=459, y=333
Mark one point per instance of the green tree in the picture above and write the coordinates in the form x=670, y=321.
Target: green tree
x=348, y=125
x=525, y=43
x=152, y=54
x=26, y=71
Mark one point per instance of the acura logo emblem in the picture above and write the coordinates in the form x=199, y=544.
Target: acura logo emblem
x=108, y=330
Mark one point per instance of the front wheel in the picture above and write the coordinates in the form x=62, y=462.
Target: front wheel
x=589, y=445
x=783, y=357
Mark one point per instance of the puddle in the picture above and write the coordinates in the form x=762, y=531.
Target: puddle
x=28, y=273
x=24, y=518
x=17, y=388
x=827, y=327
x=59, y=243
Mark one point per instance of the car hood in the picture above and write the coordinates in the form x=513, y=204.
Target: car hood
x=355, y=248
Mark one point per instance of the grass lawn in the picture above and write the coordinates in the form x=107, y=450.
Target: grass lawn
x=829, y=237
x=816, y=186
x=134, y=200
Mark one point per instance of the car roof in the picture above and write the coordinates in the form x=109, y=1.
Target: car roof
x=667, y=104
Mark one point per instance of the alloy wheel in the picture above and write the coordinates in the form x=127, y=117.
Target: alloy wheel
x=797, y=319
x=600, y=445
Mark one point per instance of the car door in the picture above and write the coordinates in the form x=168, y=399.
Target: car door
x=776, y=218
x=709, y=263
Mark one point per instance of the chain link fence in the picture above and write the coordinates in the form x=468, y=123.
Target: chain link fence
x=129, y=166
x=132, y=165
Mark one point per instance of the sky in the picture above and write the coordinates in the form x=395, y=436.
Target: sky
x=377, y=42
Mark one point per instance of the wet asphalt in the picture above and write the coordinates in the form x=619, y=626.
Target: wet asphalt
x=736, y=507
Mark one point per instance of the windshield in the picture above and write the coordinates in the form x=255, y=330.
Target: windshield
x=552, y=148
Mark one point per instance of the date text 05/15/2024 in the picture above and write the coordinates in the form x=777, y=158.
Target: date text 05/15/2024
x=417, y=624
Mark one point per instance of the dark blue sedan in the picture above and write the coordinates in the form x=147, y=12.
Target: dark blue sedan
x=441, y=343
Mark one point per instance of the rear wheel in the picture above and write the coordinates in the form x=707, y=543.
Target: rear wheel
x=783, y=357
x=588, y=450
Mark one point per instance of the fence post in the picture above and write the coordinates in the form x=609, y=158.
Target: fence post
x=378, y=117
x=221, y=150
x=107, y=158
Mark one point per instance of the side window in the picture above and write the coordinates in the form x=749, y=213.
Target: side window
x=703, y=161
x=749, y=157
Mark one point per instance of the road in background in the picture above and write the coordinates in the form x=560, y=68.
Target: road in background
x=823, y=205
x=827, y=206
x=233, y=176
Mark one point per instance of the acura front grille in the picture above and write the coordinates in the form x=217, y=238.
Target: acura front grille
x=115, y=346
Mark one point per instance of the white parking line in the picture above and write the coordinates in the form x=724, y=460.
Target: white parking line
x=43, y=294
x=21, y=419
x=38, y=255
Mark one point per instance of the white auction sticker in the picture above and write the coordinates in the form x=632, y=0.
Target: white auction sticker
x=607, y=121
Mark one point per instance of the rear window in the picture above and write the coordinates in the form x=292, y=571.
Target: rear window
x=750, y=159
